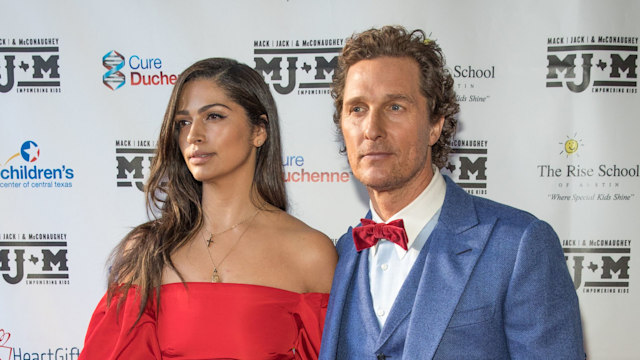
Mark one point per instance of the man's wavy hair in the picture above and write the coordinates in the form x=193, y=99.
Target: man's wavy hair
x=436, y=82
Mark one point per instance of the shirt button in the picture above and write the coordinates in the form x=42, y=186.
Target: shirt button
x=380, y=312
x=384, y=267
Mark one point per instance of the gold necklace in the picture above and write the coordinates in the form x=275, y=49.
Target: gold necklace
x=215, y=276
x=212, y=235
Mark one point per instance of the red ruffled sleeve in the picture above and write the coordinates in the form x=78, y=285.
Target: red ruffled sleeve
x=310, y=318
x=110, y=335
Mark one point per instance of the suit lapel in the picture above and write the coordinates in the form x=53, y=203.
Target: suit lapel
x=365, y=301
x=342, y=279
x=454, y=248
x=404, y=302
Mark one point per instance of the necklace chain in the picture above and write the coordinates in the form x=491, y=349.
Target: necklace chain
x=213, y=235
x=215, y=276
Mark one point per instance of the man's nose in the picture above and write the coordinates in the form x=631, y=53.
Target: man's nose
x=374, y=125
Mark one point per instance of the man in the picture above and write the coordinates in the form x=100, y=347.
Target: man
x=470, y=278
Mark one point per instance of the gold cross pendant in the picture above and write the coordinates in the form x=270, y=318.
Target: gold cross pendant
x=210, y=240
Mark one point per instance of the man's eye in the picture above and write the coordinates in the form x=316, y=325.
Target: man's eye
x=357, y=109
x=396, y=107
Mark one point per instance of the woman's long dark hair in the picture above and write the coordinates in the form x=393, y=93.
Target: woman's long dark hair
x=171, y=190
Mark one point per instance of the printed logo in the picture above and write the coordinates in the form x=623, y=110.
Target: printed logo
x=33, y=175
x=295, y=172
x=31, y=65
x=469, y=80
x=467, y=165
x=66, y=353
x=114, y=62
x=571, y=145
x=41, y=256
x=61, y=353
x=30, y=151
x=142, y=71
x=470, y=72
x=307, y=65
x=590, y=182
x=133, y=159
x=609, y=63
x=599, y=266
x=5, y=350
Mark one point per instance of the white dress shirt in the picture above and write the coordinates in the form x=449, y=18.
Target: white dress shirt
x=389, y=264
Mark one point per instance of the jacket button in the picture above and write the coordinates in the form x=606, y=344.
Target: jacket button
x=381, y=356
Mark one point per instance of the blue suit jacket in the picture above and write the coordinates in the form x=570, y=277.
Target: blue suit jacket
x=494, y=285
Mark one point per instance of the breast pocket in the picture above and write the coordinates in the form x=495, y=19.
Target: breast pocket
x=471, y=316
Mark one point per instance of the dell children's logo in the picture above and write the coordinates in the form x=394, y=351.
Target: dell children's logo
x=30, y=173
x=608, y=64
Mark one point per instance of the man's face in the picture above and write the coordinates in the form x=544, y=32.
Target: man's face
x=385, y=124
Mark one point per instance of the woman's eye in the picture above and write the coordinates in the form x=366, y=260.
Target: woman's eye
x=183, y=123
x=214, y=116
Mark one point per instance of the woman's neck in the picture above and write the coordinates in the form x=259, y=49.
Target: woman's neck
x=224, y=206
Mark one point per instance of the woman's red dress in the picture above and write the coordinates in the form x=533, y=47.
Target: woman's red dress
x=209, y=321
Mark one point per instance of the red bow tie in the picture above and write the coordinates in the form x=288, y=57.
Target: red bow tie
x=370, y=232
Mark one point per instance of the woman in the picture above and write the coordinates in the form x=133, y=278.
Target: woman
x=224, y=272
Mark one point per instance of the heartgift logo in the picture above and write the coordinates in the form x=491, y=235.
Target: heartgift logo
x=5, y=350
x=59, y=353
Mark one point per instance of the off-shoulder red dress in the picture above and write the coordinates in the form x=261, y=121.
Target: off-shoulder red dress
x=209, y=321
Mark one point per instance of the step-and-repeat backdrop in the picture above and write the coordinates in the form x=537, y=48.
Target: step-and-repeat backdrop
x=549, y=123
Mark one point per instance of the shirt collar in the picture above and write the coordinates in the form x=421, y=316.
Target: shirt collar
x=419, y=212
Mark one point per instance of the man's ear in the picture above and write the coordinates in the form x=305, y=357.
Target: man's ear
x=435, y=131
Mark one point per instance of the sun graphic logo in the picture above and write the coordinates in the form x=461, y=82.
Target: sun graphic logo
x=571, y=145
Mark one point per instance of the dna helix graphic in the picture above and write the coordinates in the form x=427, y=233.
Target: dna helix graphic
x=114, y=62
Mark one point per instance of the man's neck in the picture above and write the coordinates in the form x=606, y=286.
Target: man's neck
x=386, y=203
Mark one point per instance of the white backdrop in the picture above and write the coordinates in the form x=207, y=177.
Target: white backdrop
x=549, y=123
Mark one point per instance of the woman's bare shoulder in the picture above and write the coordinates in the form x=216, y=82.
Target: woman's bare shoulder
x=313, y=253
